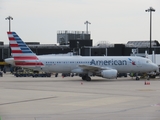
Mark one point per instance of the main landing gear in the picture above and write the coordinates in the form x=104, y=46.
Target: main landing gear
x=137, y=78
x=86, y=77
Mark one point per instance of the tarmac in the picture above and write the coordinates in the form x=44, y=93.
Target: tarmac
x=70, y=98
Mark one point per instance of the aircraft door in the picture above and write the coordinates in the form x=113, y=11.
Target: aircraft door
x=139, y=64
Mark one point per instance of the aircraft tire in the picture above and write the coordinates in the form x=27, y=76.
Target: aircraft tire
x=83, y=77
x=88, y=78
x=56, y=75
x=137, y=78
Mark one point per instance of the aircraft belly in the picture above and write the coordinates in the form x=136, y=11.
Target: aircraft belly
x=124, y=69
x=60, y=68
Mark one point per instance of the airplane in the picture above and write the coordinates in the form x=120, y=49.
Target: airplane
x=103, y=66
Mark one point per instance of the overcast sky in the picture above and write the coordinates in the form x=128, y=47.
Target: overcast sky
x=114, y=21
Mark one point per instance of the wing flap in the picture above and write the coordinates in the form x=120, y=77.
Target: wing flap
x=93, y=68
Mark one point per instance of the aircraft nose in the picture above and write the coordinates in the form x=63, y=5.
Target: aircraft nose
x=155, y=67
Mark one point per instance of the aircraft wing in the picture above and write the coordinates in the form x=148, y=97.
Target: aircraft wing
x=93, y=68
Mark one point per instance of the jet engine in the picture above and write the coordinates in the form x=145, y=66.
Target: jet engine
x=109, y=74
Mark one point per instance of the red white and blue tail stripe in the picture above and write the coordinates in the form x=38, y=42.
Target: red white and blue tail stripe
x=22, y=54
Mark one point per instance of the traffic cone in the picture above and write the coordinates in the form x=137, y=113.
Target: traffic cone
x=145, y=83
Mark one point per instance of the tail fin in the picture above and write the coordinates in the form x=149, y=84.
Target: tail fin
x=22, y=54
x=19, y=50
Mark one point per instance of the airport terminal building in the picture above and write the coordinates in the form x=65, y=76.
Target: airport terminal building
x=80, y=43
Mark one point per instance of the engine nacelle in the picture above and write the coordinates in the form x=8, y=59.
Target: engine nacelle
x=109, y=74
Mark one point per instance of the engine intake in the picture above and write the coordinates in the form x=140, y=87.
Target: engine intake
x=109, y=74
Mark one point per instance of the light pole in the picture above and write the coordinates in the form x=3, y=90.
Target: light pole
x=78, y=47
x=87, y=26
x=150, y=10
x=9, y=18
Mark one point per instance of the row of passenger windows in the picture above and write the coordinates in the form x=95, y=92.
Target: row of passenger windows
x=67, y=62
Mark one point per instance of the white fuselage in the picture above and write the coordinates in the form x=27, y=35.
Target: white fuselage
x=67, y=64
x=121, y=64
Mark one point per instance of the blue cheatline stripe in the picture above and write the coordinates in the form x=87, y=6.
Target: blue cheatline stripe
x=23, y=46
x=26, y=51
x=15, y=35
x=20, y=42
x=18, y=38
x=13, y=32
